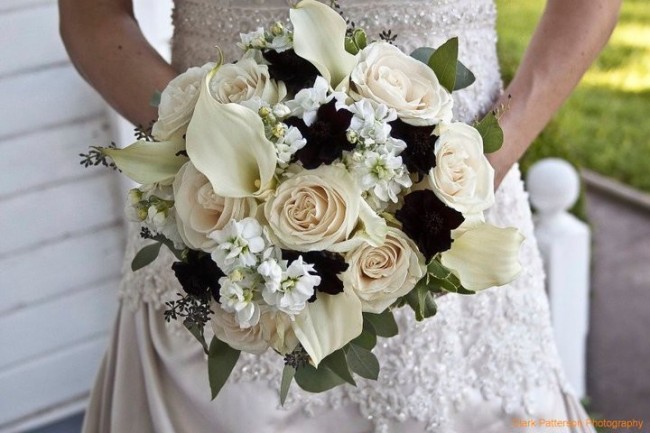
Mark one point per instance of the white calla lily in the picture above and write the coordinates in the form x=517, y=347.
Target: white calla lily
x=328, y=324
x=319, y=37
x=484, y=256
x=149, y=161
x=226, y=142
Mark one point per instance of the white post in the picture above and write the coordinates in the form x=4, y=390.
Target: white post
x=564, y=241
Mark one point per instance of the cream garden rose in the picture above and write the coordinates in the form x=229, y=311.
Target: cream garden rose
x=387, y=76
x=177, y=103
x=200, y=211
x=380, y=275
x=463, y=177
x=246, y=81
x=315, y=209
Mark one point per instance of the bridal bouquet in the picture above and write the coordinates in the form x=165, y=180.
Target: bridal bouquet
x=310, y=189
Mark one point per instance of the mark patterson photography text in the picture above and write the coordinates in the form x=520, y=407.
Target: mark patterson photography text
x=587, y=422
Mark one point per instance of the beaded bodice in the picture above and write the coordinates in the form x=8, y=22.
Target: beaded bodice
x=490, y=350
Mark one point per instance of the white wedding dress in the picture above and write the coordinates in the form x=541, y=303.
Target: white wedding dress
x=483, y=362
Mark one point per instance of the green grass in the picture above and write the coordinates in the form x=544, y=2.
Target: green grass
x=605, y=125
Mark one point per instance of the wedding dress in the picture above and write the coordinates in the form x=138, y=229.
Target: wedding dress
x=482, y=364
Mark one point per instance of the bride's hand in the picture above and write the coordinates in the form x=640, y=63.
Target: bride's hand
x=107, y=47
x=568, y=38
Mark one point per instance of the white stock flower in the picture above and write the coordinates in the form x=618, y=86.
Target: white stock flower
x=371, y=121
x=386, y=75
x=286, y=146
x=255, y=39
x=238, y=244
x=295, y=285
x=177, y=103
x=200, y=211
x=463, y=177
x=307, y=101
x=237, y=296
x=242, y=81
x=281, y=43
x=383, y=175
x=381, y=275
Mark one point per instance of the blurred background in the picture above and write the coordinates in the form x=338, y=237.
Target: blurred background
x=62, y=230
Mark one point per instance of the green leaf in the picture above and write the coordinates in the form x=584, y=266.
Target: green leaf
x=368, y=338
x=155, y=99
x=145, y=256
x=197, y=332
x=350, y=46
x=464, y=77
x=422, y=302
x=287, y=377
x=317, y=380
x=491, y=132
x=444, y=62
x=423, y=54
x=384, y=323
x=360, y=38
x=362, y=361
x=444, y=279
x=221, y=360
x=339, y=365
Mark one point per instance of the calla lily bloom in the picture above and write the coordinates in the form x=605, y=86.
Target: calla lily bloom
x=484, y=256
x=328, y=324
x=149, y=161
x=226, y=142
x=319, y=37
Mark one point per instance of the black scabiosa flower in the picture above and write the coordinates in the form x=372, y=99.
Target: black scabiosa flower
x=428, y=221
x=296, y=72
x=199, y=275
x=326, y=137
x=418, y=155
x=328, y=265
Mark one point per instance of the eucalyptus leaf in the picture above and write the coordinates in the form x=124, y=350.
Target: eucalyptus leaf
x=367, y=338
x=287, y=377
x=317, y=380
x=423, y=54
x=491, y=133
x=145, y=256
x=464, y=77
x=155, y=99
x=339, y=365
x=384, y=323
x=444, y=62
x=362, y=361
x=197, y=332
x=422, y=302
x=221, y=360
x=360, y=38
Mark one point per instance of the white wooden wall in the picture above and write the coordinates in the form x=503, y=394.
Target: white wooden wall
x=61, y=235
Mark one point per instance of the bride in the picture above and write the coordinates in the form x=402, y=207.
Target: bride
x=485, y=363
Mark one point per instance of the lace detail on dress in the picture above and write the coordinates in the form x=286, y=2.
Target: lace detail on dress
x=497, y=344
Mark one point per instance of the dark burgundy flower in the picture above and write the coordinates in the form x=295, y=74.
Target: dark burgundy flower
x=296, y=72
x=328, y=265
x=326, y=137
x=418, y=155
x=428, y=221
x=199, y=275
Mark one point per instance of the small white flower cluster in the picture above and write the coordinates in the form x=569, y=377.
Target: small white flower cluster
x=153, y=207
x=278, y=38
x=287, y=139
x=375, y=161
x=256, y=275
x=307, y=101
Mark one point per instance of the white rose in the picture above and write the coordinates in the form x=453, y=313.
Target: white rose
x=277, y=331
x=387, y=76
x=380, y=275
x=177, y=103
x=244, y=81
x=200, y=211
x=463, y=177
x=315, y=209
x=227, y=329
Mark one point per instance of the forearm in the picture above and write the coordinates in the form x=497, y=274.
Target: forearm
x=107, y=47
x=567, y=40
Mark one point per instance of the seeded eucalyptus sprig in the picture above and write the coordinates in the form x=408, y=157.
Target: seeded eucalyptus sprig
x=96, y=157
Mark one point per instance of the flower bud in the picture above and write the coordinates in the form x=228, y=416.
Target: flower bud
x=281, y=111
x=352, y=136
x=277, y=29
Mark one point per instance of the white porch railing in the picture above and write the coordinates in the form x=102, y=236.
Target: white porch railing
x=564, y=241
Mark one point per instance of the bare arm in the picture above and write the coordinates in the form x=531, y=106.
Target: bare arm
x=568, y=38
x=107, y=47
